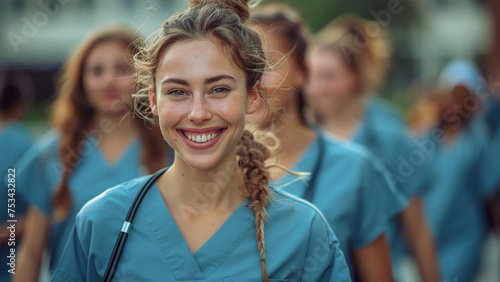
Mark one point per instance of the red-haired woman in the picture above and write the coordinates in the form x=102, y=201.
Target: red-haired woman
x=95, y=144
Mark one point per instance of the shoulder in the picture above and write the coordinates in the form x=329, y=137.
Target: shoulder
x=298, y=213
x=339, y=150
x=17, y=131
x=385, y=110
x=112, y=204
x=387, y=131
x=43, y=154
x=350, y=158
x=49, y=142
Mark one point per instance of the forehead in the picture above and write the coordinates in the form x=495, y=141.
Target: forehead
x=325, y=57
x=107, y=50
x=197, y=59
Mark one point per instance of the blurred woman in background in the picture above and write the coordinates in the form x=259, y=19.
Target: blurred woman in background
x=14, y=142
x=347, y=184
x=347, y=64
x=465, y=173
x=95, y=144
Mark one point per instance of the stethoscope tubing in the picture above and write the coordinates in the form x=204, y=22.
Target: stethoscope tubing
x=127, y=223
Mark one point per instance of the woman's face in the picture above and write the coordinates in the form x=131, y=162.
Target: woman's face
x=201, y=99
x=331, y=83
x=282, y=82
x=107, y=80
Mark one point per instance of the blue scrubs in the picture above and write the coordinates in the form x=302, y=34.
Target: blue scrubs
x=404, y=160
x=39, y=173
x=351, y=190
x=299, y=243
x=14, y=142
x=455, y=204
x=384, y=112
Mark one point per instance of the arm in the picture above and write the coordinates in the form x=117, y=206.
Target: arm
x=373, y=261
x=34, y=241
x=420, y=240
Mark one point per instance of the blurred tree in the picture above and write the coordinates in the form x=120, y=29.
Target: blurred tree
x=318, y=13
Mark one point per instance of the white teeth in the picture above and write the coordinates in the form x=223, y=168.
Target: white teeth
x=201, y=138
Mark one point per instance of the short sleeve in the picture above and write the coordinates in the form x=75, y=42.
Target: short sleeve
x=36, y=172
x=73, y=263
x=324, y=253
x=379, y=202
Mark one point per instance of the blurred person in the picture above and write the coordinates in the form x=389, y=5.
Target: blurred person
x=346, y=65
x=346, y=183
x=15, y=140
x=465, y=173
x=211, y=215
x=94, y=145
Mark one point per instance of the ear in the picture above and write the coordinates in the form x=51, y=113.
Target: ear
x=152, y=101
x=253, y=100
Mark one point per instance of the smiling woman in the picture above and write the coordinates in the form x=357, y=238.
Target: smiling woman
x=211, y=216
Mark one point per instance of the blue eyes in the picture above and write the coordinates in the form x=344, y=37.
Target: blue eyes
x=220, y=90
x=178, y=92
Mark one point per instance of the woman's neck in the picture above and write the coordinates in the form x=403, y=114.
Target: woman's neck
x=202, y=190
x=344, y=121
x=294, y=136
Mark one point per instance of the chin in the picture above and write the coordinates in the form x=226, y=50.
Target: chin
x=202, y=162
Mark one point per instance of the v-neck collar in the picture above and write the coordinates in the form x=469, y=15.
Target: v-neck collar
x=130, y=149
x=209, y=257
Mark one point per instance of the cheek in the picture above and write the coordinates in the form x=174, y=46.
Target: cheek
x=339, y=87
x=125, y=85
x=231, y=110
x=90, y=86
x=169, y=113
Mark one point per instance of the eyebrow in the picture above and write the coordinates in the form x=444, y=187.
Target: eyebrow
x=207, y=81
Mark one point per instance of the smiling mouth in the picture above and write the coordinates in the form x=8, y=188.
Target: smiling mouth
x=201, y=137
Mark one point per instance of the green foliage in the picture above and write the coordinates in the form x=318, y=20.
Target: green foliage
x=318, y=13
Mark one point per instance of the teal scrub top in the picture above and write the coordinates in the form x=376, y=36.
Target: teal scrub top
x=384, y=112
x=404, y=159
x=351, y=189
x=455, y=204
x=15, y=140
x=39, y=173
x=299, y=243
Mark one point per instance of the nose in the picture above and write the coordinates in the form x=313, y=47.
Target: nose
x=200, y=109
x=109, y=77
